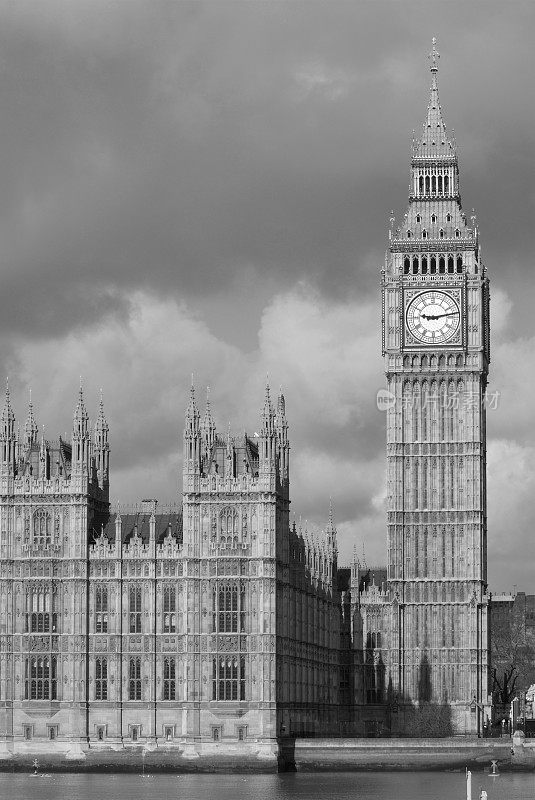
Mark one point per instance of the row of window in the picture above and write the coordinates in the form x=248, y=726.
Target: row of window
x=433, y=218
x=228, y=610
x=424, y=265
x=135, y=732
x=425, y=234
x=228, y=678
x=433, y=184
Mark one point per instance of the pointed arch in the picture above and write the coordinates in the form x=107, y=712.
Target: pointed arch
x=424, y=404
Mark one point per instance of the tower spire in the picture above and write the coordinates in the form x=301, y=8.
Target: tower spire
x=331, y=530
x=434, y=141
x=30, y=427
x=192, y=437
x=207, y=428
x=80, y=435
x=102, y=446
x=8, y=436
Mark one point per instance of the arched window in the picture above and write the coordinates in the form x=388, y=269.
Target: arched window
x=442, y=265
x=406, y=266
x=434, y=184
x=169, y=678
x=433, y=265
x=228, y=608
x=101, y=678
x=41, y=610
x=415, y=265
x=427, y=184
x=101, y=609
x=134, y=679
x=228, y=678
x=42, y=529
x=446, y=184
x=440, y=184
x=441, y=233
x=433, y=218
x=424, y=265
x=451, y=267
x=134, y=598
x=421, y=184
x=459, y=264
x=457, y=233
x=40, y=678
x=424, y=234
x=169, y=609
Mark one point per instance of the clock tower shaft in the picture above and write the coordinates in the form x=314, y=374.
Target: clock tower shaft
x=436, y=353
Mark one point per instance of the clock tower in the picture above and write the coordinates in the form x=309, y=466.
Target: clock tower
x=436, y=355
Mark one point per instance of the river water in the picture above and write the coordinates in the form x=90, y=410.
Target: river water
x=287, y=786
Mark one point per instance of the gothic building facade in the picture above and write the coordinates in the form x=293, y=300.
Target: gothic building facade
x=215, y=623
x=432, y=610
x=218, y=621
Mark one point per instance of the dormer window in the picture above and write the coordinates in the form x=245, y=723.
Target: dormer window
x=434, y=218
x=424, y=234
x=457, y=234
x=441, y=233
x=448, y=218
x=409, y=234
x=418, y=218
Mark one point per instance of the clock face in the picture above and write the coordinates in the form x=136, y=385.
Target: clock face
x=433, y=317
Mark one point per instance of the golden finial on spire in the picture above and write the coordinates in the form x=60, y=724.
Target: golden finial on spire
x=434, y=55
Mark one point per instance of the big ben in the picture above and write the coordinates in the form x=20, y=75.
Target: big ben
x=436, y=355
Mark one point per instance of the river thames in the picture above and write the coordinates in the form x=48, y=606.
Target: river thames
x=293, y=786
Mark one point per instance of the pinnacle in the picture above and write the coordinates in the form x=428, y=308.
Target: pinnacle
x=7, y=413
x=434, y=142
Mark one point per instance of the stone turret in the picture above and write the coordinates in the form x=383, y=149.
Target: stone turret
x=81, y=439
x=102, y=447
x=8, y=438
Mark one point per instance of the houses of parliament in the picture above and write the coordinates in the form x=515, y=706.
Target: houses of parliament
x=220, y=622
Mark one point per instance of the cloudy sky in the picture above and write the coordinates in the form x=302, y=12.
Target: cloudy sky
x=206, y=187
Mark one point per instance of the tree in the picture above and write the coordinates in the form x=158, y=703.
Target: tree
x=512, y=656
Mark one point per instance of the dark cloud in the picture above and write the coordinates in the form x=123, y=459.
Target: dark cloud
x=180, y=146
x=206, y=187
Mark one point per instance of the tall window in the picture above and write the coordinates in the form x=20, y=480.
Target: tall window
x=101, y=678
x=42, y=529
x=169, y=678
x=40, y=678
x=101, y=609
x=41, y=611
x=228, y=675
x=134, y=685
x=169, y=609
x=228, y=526
x=135, y=609
x=228, y=605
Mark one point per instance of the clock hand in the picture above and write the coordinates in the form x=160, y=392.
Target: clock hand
x=438, y=316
